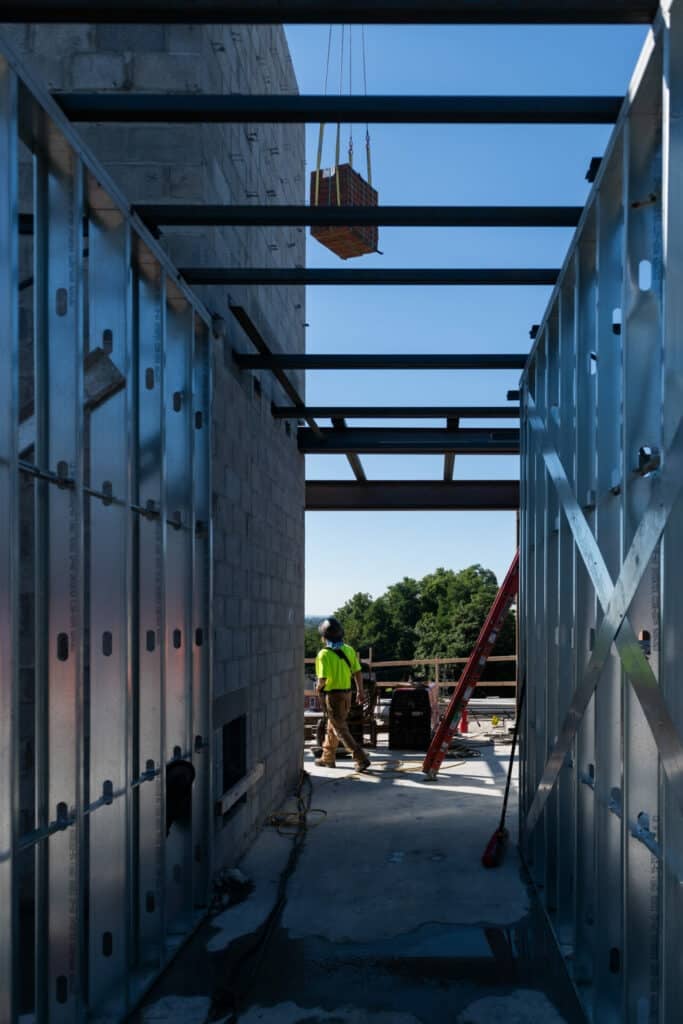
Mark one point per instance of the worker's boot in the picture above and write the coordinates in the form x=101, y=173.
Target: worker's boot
x=362, y=762
x=322, y=763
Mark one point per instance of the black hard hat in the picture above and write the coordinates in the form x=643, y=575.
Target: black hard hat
x=331, y=629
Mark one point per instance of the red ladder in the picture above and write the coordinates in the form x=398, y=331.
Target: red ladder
x=472, y=672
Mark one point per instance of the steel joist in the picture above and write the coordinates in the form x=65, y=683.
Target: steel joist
x=600, y=598
x=282, y=215
x=239, y=109
x=105, y=550
x=214, y=12
x=412, y=495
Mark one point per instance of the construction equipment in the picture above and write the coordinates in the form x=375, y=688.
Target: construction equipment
x=472, y=671
x=495, y=848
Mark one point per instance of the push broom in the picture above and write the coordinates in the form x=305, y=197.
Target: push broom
x=495, y=848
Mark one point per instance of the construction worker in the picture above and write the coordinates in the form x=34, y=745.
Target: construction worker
x=335, y=666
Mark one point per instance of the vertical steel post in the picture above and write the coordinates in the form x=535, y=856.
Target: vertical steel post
x=59, y=451
x=671, y=610
x=642, y=370
x=603, y=509
x=202, y=818
x=564, y=631
x=151, y=550
x=109, y=594
x=9, y=536
x=584, y=617
x=178, y=591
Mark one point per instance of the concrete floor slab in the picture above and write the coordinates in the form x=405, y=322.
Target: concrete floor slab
x=379, y=912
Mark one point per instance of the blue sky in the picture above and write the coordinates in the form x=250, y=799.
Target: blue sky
x=443, y=164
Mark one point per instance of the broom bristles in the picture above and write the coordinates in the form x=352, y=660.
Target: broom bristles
x=495, y=848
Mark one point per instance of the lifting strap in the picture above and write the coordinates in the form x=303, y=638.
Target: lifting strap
x=321, y=130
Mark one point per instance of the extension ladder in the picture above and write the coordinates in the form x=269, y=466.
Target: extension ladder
x=472, y=672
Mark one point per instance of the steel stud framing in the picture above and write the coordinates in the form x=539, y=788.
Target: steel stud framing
x=602, y=471
x=119, y=630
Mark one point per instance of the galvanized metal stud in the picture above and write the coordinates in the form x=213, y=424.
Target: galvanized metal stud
x=9, y=538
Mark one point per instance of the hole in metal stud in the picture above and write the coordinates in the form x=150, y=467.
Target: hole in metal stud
x=107, y=346
x=177, y=639
x=150, y=640
x=149, y=378
x=107, y=944
x=198, y=420
x=645, y=275
x=177, y=401
x=199, y=637
x=61, y=301
x=614, y=960
x=62, y=646
x=150, y=902
x=107, y=645
x=616, y=320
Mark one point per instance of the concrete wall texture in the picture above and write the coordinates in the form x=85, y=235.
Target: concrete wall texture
x=257, y=470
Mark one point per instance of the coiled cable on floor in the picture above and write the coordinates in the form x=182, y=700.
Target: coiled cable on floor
x=227, y=1001
x=290, y=823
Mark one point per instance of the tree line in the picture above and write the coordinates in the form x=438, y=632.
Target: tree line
x=439, y=616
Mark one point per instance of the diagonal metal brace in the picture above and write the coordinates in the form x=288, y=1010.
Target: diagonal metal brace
x=615, y=627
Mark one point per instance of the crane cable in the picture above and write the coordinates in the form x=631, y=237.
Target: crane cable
x=321, y=130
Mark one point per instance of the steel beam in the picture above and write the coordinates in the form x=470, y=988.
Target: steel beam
x=349, y=361
x=395, y=412
x=258, y=341
x=339, y=423
x=316, y=276
x=391, y=12
x=284, y=215
x=236, y=108
x=409, y=441
x=411, y=495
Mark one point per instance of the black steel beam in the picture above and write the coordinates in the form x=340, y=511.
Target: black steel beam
x=396, y=412
x=452, y=424
x=409, y=441
x=306, y=276
x=260, y=344
x=412, y=496
x=350, y=361
x=354, y=462
x=206, y=108
x=207, y=215
x=309, y=12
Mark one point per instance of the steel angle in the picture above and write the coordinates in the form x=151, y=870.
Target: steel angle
x=615, y=627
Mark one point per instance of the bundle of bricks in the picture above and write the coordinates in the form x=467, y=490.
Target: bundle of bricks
x=342, y=186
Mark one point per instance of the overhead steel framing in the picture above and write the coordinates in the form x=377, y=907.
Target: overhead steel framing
x=412, y=495
x=396, y=412
x=410, y=441
x=274, y=108
x=400, y=277
x=110, y=562
x=379, y=361
x=214, y=12
x=600, y=599
x=212, y=215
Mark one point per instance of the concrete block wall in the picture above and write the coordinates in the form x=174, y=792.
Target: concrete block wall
x=258, y=473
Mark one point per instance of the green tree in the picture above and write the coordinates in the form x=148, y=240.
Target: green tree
x=439, y=616
x=455, y=606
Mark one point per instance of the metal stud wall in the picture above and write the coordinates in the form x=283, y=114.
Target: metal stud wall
x=600, y=604
x=105, y=560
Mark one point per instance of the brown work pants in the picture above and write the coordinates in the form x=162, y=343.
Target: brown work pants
x=338, y=705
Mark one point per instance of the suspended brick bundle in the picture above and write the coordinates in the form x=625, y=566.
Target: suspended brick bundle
x=342, y=186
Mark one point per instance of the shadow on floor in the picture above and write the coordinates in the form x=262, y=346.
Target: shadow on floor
x=378, y=913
